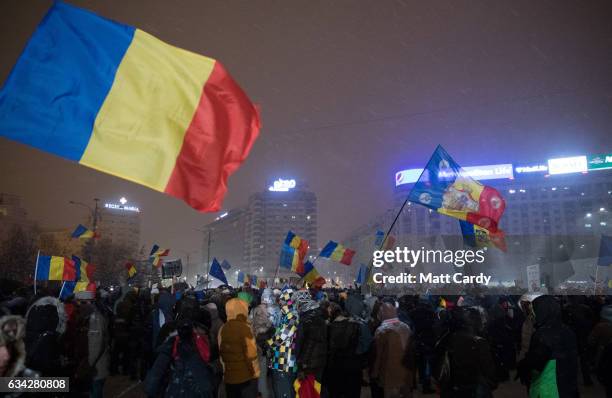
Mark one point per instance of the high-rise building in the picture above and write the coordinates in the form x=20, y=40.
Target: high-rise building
x=120, y=223
x=253, y=235
x=225, y=239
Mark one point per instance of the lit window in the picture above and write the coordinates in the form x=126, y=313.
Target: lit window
x=588, y=215
x=603, y=223
x=602, y=209
x=553, y=189
x=512, y=191
x=587, y=225
x=308, y=217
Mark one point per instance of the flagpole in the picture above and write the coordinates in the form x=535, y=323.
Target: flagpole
x=365, y=284
x=36, y=271
x=62, y=289
x=595, y=284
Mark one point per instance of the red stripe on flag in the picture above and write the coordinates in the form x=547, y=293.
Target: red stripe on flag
x=218, y=140
x=69, y=270
x=347, y=256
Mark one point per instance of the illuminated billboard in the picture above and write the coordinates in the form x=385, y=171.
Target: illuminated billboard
x=574, y=164
x=531, y=168
x=281, y=185
x=486, y=172
x=599, y=162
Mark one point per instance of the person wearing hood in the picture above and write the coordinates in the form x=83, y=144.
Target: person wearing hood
x=238, y=352
x=13, y=351
x=91, y=346
x=551, y=365
x=311, y=339
x=45, y=328
x=185, y=357
x=264, y=329
x=282, y=360
x=344, y=361
x=464, y=365
x=389, y=374
x=600, y=346
x=527, y=329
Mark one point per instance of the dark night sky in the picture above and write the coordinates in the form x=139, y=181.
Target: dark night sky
x=350, y=92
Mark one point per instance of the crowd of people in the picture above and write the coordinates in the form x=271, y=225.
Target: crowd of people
x=335, y=343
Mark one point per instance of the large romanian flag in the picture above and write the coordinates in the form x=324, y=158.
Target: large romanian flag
x=116, y=99
x=446, y=188
x=52, y=268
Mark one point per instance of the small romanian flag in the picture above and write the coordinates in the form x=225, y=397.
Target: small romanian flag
x=71, y=287
x=52, y=268
x=310, y=273
x=476, y=236
x=131, y=269
x=83, y=233
x=338, y=253
x=156, y=254
x=119, y=100
x=84, y=270
x=293, y=252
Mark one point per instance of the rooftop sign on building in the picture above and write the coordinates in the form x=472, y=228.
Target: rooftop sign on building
x=281, y=185
x=122, y=206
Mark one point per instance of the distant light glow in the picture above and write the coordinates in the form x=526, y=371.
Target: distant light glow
x=123, y=200
x=603, y=223
x=281, y=185
x=512, y=190
x=533, y=168
x=222, y=215
x=574, y=164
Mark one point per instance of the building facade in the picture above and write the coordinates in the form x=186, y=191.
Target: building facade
x=250, y=238
x=556, y=211
x=120, y=223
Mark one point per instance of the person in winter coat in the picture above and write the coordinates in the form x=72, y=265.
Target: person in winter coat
x=464, y=365
x=92, y=345
x=528, y=327
x=122, y=355
x=344, y=364
x=264, y=329
x=45, y=328
x=161, y=314
x=186, y=355
x=551, y=364
x=600, y=346
x=578, y=317
x=215, y=360
x=389, y=375
x=282, y=360
x=238, y=352
x=12, y=350
x=311, y=339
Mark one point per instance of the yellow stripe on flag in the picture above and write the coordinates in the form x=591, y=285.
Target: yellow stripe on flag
x=140, y=127
x=56, y=269
x=338, y=253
